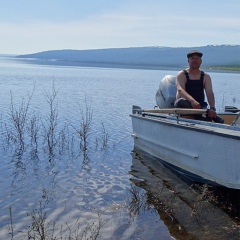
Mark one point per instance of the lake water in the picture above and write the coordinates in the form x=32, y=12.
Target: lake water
x=82, y=185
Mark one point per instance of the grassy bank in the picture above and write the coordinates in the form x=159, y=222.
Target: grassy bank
x=226, y=68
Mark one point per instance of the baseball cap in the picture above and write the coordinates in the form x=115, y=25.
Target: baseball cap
x=194, y=52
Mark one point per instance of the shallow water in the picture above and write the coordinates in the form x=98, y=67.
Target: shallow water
x=132, y=195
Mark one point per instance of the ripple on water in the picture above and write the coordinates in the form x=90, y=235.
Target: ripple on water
x=74, y=188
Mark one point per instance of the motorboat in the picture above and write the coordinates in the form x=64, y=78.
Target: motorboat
x=207, y=152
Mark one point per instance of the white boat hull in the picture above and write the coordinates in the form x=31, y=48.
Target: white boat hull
x=208, y=150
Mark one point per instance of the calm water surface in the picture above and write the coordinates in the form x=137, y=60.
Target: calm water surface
x=109, y=182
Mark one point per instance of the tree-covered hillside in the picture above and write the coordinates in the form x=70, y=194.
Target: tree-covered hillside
x=213, y=56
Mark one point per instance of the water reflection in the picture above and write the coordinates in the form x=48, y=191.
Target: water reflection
x=189, y=212
x=19, y=171
x=86, y=162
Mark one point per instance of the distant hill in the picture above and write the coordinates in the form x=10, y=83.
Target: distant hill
x=221, y=55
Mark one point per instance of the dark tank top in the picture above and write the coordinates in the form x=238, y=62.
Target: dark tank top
x=195, y=87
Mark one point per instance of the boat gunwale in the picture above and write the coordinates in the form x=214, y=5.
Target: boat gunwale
x=229, y=131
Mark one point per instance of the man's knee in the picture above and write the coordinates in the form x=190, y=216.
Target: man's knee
x=182, y=103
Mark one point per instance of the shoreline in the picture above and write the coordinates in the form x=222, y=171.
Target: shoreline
x=66, y=63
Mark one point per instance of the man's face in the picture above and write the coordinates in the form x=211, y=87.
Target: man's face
x=195, y=61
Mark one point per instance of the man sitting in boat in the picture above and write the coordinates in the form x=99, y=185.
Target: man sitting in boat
x=191, y=84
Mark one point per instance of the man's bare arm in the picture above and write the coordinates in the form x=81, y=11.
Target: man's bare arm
x=209, y=90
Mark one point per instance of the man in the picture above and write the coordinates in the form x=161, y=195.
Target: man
x=191, y=84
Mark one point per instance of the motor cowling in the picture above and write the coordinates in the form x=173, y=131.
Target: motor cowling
x=166, y=93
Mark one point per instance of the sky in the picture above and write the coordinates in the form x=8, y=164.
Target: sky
x=30, y=26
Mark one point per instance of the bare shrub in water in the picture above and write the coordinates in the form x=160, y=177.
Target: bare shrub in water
x=18, y=118
x=83, y=131
x=11, y=223
x=105, y=137
x=40, y=228
x=92, y=230
x=64, y=139
x=33, y=130
x=51, y=122
x=36, y=128
x=44, y=229
x=22, y=123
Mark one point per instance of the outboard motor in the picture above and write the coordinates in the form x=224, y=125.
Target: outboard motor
x=166, y=94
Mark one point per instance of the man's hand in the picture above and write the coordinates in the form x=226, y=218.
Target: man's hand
x=195, y=104
x=212, y=113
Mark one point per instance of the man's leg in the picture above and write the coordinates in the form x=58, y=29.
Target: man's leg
x=182, y=103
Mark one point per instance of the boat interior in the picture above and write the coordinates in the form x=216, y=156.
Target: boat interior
x=231, y=116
